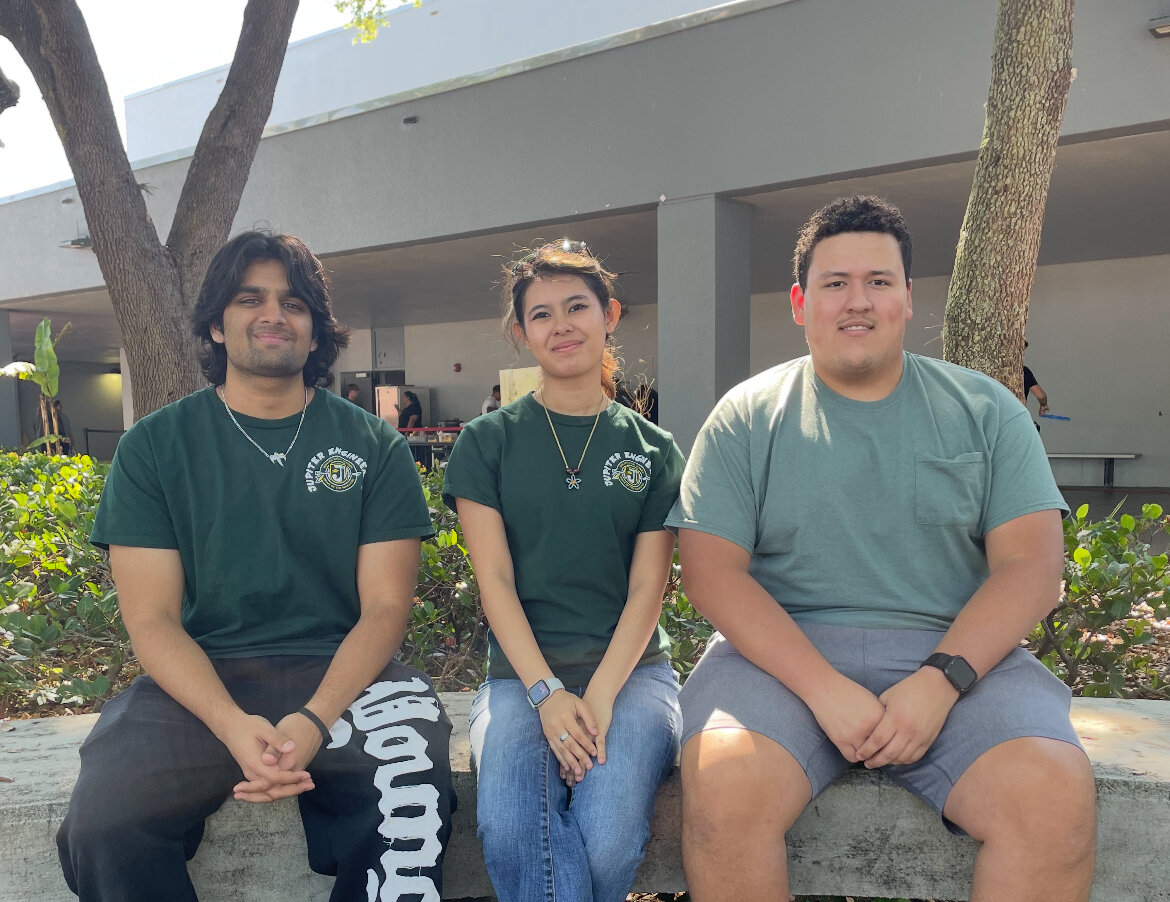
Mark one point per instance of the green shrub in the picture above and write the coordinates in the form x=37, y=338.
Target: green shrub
x=61, y=637
x=1114, y=589
x=447, y=635
x=62, y=642
x=686, y=627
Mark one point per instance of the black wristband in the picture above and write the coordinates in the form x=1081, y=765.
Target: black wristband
x=318, y=722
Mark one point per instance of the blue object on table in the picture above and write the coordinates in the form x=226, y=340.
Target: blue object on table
x=1053, y=416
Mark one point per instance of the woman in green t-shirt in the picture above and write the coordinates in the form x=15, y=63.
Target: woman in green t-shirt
x=562, y=495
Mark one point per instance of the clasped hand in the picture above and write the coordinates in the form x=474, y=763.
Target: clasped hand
x=273, y=758
x=564, y=714
x=896, y=727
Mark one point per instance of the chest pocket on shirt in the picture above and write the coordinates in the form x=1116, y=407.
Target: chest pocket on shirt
x=949, y=491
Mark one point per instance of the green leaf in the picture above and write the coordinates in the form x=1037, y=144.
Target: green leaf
x=1151, y=511
x=1082, y=557
x=45, y=357
x=1082, y=512
x=1128, y=523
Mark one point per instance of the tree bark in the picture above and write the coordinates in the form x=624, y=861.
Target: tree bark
x=152, y=286
x=995, y=263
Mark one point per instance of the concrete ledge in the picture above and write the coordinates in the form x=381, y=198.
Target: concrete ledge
x=863, y=836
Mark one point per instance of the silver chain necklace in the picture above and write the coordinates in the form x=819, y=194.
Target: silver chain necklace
x=572, y=474
x=277, y=457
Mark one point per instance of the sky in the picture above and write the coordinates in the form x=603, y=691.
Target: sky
x=140, y=44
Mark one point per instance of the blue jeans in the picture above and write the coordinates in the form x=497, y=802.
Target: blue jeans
x=546, y=843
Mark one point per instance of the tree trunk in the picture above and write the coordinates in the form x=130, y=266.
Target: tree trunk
x=995, y=264
x=152, y=286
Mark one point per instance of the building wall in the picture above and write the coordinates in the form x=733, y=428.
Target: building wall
x=432, y=352
x=329, y=72
x=724, y=107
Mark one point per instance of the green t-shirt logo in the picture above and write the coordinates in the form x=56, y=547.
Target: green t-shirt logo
x=336, y=469
x=627, y=469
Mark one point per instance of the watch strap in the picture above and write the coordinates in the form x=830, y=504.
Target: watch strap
x=945, y=663
x=552, y=684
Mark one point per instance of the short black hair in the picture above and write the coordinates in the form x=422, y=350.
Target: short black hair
x=859, y=213
x=306, y=278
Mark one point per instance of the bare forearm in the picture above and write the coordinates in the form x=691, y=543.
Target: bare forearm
x=1001, y=613
x=630, y=637
x=182, y=669
x=760, y=629
x=362, y=655
x=510, y=626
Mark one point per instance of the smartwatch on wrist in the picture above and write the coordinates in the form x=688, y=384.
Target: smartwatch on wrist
x=955, y=668
x=539, y=692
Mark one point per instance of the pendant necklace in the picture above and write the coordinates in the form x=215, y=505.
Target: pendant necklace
x=573, y=474
x=277, y=457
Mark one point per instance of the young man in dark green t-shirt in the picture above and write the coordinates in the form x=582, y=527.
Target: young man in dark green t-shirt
x=264, y=540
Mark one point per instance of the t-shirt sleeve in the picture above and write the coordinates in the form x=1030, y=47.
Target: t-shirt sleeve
x=1021, y=477
x=717, y=494
x=1029, y=381
x=664, y=488
x=133, y=509
x=472, y=471
x=393, y=504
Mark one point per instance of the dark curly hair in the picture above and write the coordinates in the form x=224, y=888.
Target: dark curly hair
x=859, y=213
x=564, y=257
x=306, y=278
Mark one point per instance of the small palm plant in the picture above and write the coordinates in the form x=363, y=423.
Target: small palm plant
x=45, y=372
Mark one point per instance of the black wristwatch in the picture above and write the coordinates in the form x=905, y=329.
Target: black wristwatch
x=958, y=672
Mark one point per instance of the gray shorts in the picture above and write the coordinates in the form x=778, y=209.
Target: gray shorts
x=1019, y=697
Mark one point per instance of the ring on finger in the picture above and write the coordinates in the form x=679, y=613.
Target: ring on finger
x=564, y=735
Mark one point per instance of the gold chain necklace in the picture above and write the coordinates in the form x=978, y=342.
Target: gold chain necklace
x=277, y=458
x=573, y=474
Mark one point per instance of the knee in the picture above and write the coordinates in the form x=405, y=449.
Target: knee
x=730, y=780
x=1046, y=799
x=618, y=848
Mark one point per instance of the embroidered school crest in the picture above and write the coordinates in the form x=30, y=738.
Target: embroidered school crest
x=627, y=469
x=336, y=469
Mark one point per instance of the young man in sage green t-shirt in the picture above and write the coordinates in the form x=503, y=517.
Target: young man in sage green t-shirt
x=264, y=540
x=873, y=533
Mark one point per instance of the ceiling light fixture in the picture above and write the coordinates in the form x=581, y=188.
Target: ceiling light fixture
x=1160, y=28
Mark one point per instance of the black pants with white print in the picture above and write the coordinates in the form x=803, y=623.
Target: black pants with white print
x=151, y=772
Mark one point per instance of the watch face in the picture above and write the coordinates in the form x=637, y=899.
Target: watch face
x=538, y=692
x=961, y=674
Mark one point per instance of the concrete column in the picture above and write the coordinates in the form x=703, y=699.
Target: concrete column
x=704, y=308
x=9, y=406
x=127, y=395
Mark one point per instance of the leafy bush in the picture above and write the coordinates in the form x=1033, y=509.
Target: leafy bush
x=686, y=627
x=447, y=635
x=62, y=642
x=1114, y=589
x=61, y=637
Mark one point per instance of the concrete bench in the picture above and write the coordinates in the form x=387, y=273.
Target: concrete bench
x=863, y=836
x=1108, y=457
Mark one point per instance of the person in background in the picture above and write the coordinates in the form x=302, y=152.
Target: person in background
x=351, y=394
x=1033, y=389
x=492, y=402
x=562, y=495
x=410, y=417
